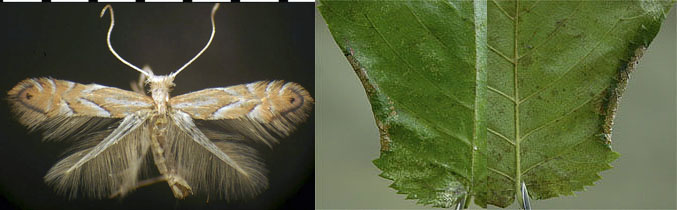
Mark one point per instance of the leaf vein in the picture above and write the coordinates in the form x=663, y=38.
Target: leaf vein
x=438, y=128
x=550, y=36
x=501, y=93
x=418, y=19
x=456, y=100
x=560, y=117
x=503, y=10
x=501, y=135
x=501, y=54
x=518, y=178
x=533, y=6
x=572, y=66
x=500, y=173
x=341, y=15
x=555, y=156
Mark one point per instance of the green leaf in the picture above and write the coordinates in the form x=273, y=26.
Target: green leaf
x=557, y=72
x=457, y=87
x=423, y=65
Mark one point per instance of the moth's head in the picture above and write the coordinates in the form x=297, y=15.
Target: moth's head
x=157, y=82
x=160, y=82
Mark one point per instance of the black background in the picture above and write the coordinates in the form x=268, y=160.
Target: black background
x=68, y=41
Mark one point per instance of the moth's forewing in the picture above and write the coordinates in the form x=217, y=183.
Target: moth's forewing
x=263, y=111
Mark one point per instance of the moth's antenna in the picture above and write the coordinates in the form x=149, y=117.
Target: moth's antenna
x=110, y=47
x=216, y=7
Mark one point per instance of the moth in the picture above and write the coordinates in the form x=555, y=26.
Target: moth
x=199, y=141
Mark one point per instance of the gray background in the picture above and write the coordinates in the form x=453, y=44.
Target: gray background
x=644, y=176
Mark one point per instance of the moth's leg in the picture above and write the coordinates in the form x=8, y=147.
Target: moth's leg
x=140, y=184
x=179, y=186
x=139, y=86
x=126, y=187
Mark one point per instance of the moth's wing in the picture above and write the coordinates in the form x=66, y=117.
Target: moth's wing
x=229, y=168
x=65, y=109
x=263, y=111
x=108, y=122
x=108, y=162
x=218, y=160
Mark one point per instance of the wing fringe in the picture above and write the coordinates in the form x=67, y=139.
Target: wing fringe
x=114, y=169
x=242, y=178
x=280, y=126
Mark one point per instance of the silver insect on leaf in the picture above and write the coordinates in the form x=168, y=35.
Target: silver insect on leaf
x=197, y=141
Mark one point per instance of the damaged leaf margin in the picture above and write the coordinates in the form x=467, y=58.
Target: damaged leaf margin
x=420, y=121
x=378, y=100
x=389, y=115
x=614, y=96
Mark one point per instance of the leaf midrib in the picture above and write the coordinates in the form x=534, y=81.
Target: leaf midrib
x=479, y=54
x=516, y=102
x=473, y=108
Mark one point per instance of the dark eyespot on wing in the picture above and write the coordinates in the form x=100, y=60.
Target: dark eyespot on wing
x=28, y=96
x=295, y=101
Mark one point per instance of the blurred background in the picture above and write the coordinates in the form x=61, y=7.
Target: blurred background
x=253, y=42
x=645, y=134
